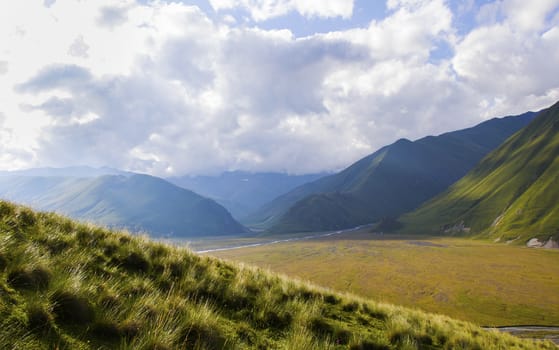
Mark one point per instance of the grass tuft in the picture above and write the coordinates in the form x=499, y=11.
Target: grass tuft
x=30, y=279
x=331, y=299
x=71, y=308
x=351, y=307
x=136, y=262
x=25, y=217
x=39, y=319
x=278, y=320
x=199, y=336
x=3, y=262
x=106, y=330
x=369, y=345
x=320, y=327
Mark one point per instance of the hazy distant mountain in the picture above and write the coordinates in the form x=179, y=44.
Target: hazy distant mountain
x=137, y=202
x=512, y=194
x=395, y=179
x=243, y=192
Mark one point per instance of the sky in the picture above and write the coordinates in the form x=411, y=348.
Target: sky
x=297, y=86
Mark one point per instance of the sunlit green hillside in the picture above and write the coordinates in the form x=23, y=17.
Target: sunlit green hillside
x=510, y=195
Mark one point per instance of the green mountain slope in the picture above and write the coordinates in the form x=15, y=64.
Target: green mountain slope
x=393, y=180
x=510, y=194
x=65, y=285
x=136, y=202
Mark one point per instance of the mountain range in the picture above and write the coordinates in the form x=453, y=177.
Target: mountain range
x=511, y=191
x=242, y=192
x=136, y=202
x=391, y=181
x=510, y=195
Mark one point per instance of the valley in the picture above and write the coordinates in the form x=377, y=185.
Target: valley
x=279, y=175
x=480, y=281
x=66, y=285
x=455, y=252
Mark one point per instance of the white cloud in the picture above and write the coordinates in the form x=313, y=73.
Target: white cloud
x=3, y=67
x=327, y=8
x=522, y=15
x=79, y=48
x=261, y=10
x=161, y=86
x=512, y=60
x=529, y=15
x=112, y=16
x=410, y=31
x=10, y=153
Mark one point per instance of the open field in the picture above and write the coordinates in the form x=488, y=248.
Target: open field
x=489, y=284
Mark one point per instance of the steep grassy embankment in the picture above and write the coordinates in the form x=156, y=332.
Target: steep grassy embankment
x=73, y=286
x=510, y=195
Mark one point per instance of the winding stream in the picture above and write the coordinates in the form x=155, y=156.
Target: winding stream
x=534, y=332
x=280, y=241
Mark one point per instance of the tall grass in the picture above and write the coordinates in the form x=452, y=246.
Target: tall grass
x=66, y=285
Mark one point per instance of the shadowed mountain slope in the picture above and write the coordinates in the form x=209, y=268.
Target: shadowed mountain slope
x=395, y=179
x=242, y=192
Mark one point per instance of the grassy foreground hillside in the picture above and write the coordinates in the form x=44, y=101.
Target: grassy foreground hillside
x=66, y=285
x=511, y=195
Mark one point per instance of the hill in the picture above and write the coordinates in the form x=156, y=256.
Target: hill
x=395, y=179
x=136, y=202
x=242, y=192
x=510, y=195
x=65, y=285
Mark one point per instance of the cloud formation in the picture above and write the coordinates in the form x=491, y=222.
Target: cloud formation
x=167, y=89
x=3, y=67
x=111, y=16
x=79, y=48
x=261, y=10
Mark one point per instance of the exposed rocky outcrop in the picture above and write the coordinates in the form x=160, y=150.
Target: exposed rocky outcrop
x=536, y=243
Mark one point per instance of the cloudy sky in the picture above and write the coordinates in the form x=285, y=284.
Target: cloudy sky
x=203, y=86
